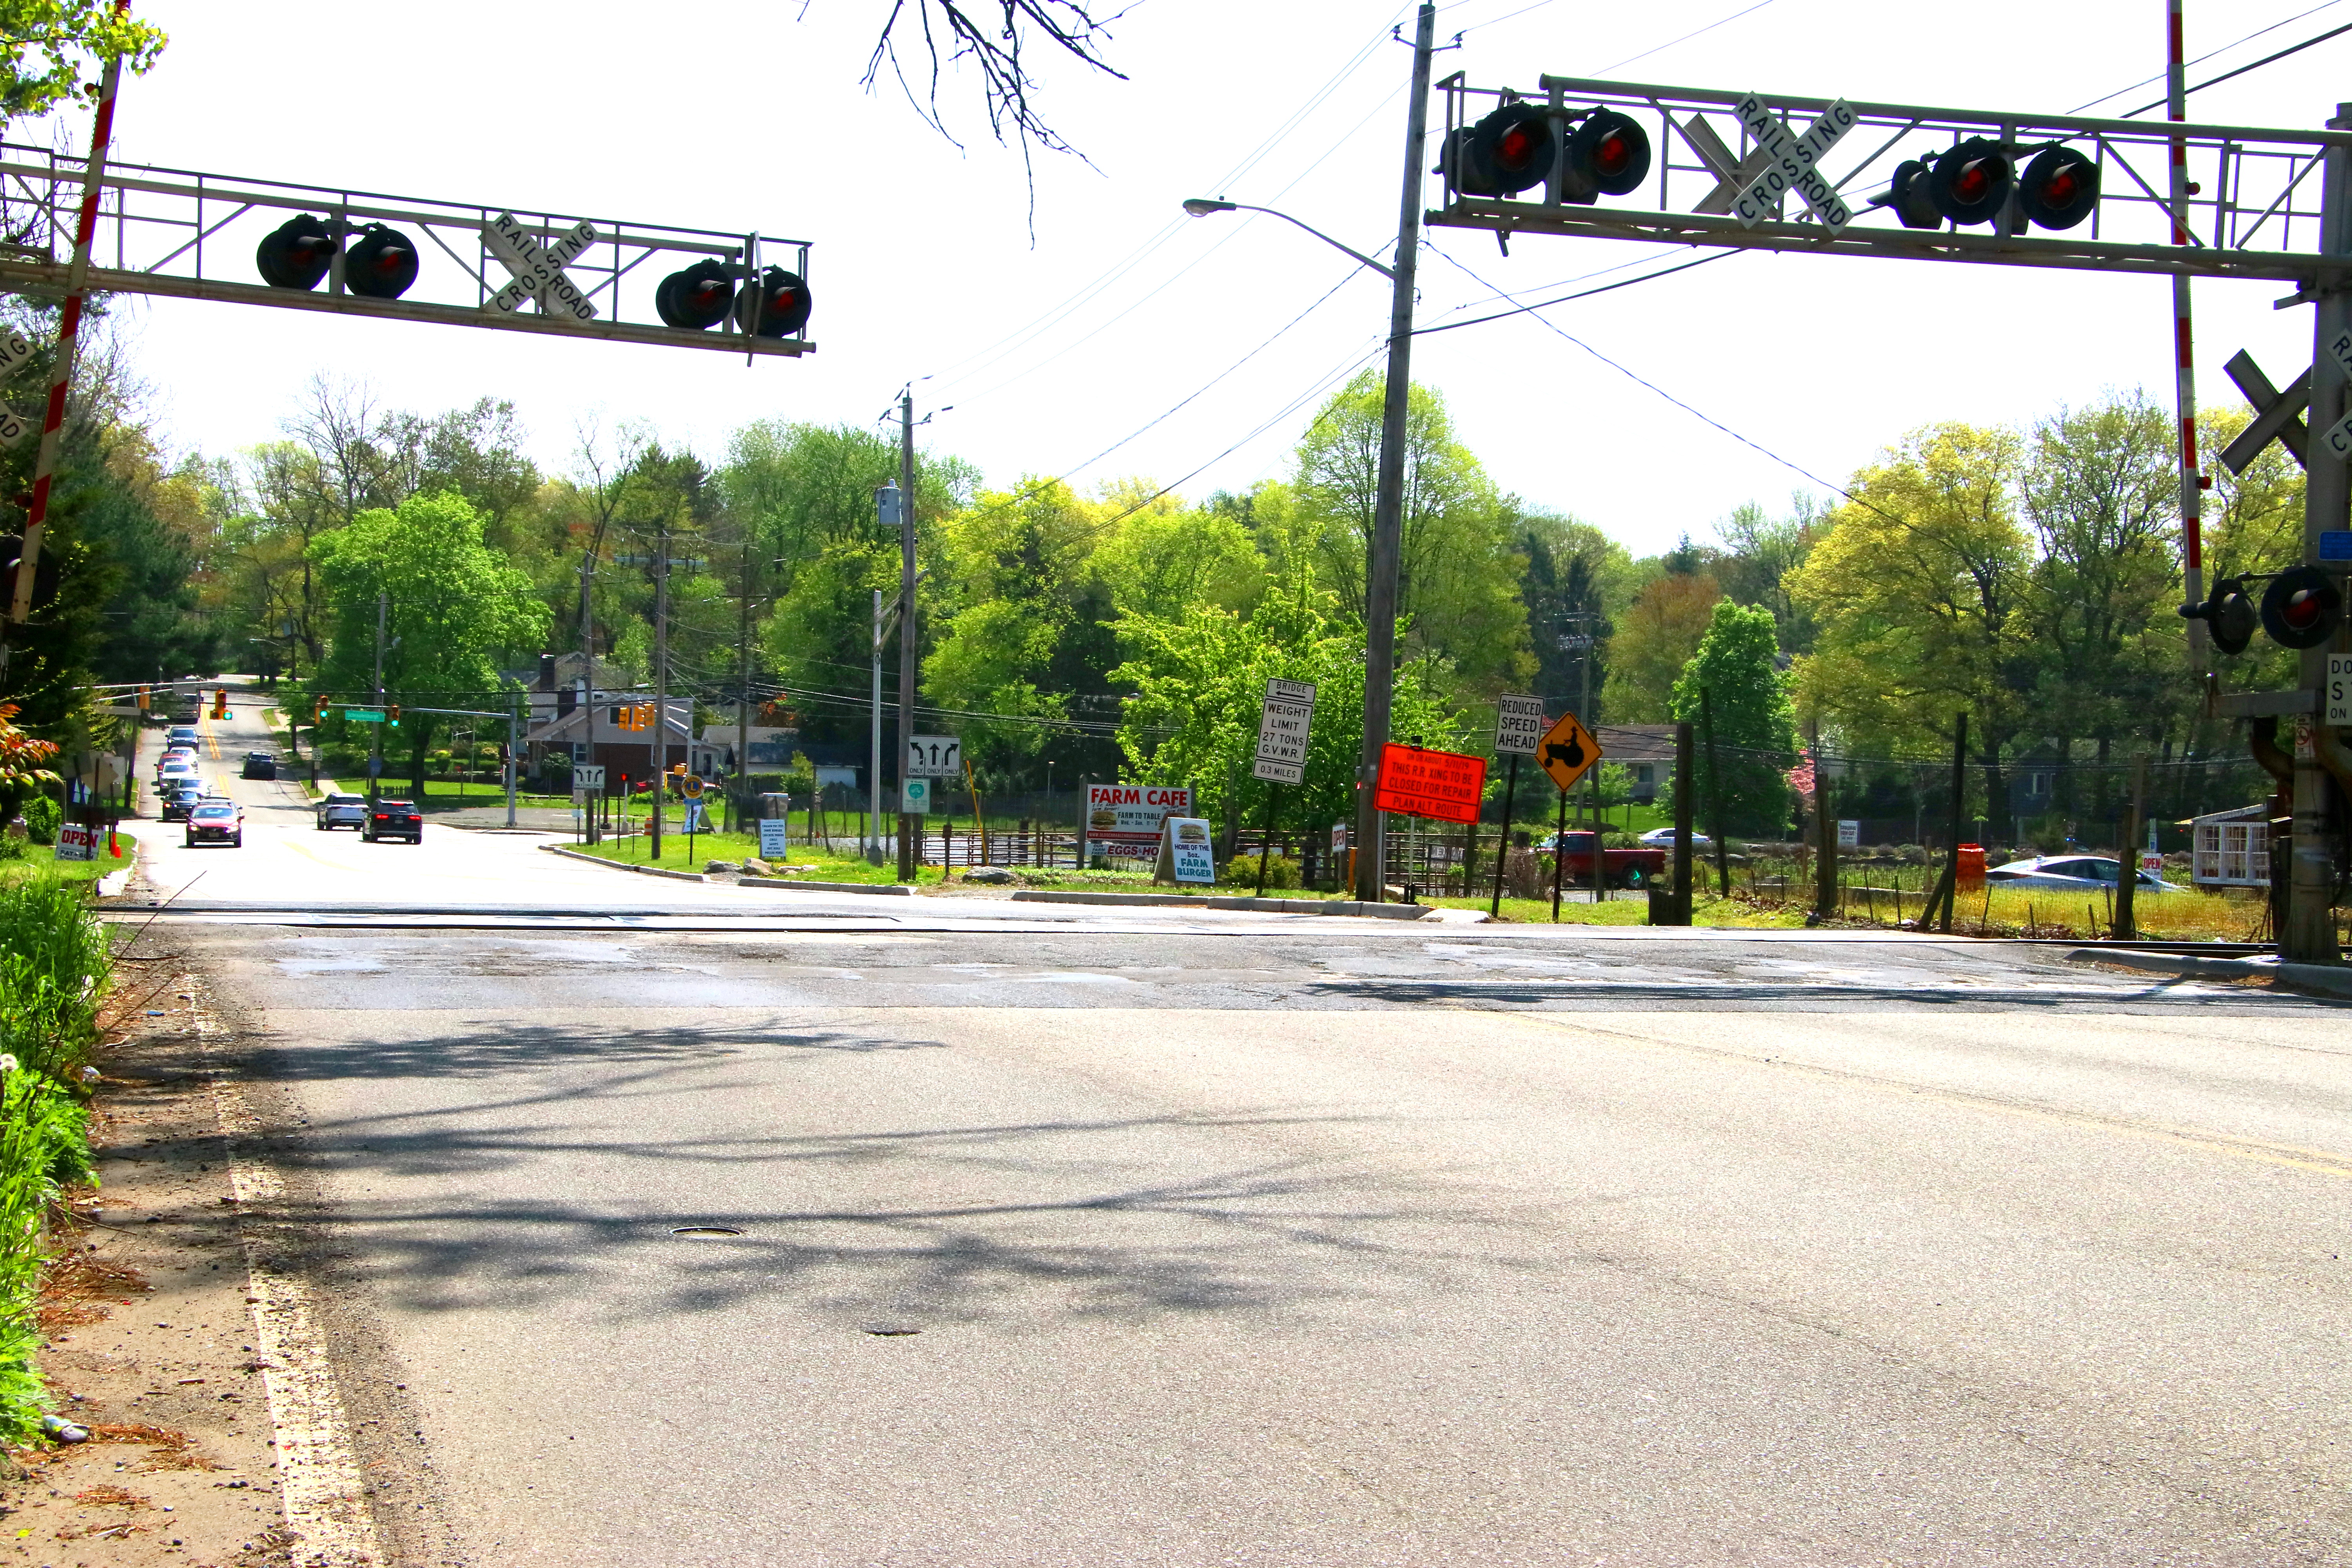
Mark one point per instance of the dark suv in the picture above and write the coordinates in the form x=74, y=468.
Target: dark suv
x=260, y=765
x=394, y=820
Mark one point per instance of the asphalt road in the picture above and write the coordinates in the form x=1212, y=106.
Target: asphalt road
x=1317, y=1242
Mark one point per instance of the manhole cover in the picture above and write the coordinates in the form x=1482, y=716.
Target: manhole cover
x=704, y=1231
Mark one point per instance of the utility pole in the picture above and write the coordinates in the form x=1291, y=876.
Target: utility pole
x=375, y=731
x=2310, y=933
x=1388, y=508
x=744, y=695
x=909, y=647
x=874, y=773
x=661, y=682
x=2192, y=504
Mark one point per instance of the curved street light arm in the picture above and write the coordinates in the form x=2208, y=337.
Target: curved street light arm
x=1200, y=206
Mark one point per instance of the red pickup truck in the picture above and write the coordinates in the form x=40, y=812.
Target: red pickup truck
x=1633, y=868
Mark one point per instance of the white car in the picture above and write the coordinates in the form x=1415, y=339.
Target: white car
x=1664, y=839
x=2072, y=873
x=176, y=770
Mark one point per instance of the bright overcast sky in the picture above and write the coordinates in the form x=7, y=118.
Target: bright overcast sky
x=1121, y=309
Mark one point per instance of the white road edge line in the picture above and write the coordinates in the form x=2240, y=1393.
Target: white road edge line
x=320, y=1483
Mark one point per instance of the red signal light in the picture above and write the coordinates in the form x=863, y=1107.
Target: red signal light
x=296, y=254
x=1971, y=182
x=2060, y=188
x=778, y=300
x=696, y=298
x=1510, y=150
x=381, y=264
x=1608, y=154
x=2301, y=607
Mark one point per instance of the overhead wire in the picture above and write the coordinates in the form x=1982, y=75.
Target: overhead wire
x=962, y=370
x=2256, y=65
x=1652, y=387
x=2200, y=59
x=1687, y=37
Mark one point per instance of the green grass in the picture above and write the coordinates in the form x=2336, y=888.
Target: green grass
x=54, y=961
x=822, y=866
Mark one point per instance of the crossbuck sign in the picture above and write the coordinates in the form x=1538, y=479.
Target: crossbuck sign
x=15, y=350
x=539, y=271
x=1793, y=157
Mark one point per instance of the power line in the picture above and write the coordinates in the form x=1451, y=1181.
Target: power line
x=2209, y=54
x=1687, y=37
x=1564, y=299
x=2257, y=64
x=1670, y=397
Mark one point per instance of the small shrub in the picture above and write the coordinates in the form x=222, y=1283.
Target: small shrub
x=42, y=817
x=1281, y=871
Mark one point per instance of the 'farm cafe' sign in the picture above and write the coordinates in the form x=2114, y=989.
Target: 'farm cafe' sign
x=1125, y=819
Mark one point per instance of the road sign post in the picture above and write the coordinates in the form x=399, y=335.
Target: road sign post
x=1286, y=715
x=1519, y=732
x=1566, y=753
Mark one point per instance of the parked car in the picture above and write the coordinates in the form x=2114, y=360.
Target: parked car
x=340, y=808
x=1664, y=839
x=260, y=765
x=180, y=798
x=217, y=821
x=1623, y=867
x=394, y=820
x=2072, y=873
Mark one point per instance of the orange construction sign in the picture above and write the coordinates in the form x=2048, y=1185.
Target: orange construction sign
x=1445, y=786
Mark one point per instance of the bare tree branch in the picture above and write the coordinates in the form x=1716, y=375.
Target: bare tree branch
x=995, y=49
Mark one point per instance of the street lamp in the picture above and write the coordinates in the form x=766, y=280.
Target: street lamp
x=1388, y=505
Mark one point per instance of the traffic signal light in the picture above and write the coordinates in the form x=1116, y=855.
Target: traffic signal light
x=1592, y=153
x=220, y=704
x=1608, y=154
x=2060, y=188
x=46, y=572
x=696, y=298
x=1967, y=183
x=2228, y=614
x=2301, y=607
x=782, y=301
x=391, y=716
x=296, y=254
x=318, y=712
x=381, y=263
x=1510, y=150
x=143, y=697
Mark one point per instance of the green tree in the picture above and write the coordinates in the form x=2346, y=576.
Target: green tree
x=1761, y=558
x=1651, y=643
x=1458, y=572
x=2100, y=487
x=1920, y=588
x=1754, y=739
x=454, y=607
x=52, y=50
x=1577, y=579
x=1199, y=682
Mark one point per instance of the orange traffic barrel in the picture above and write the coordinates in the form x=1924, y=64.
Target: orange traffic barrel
x=1971, y=868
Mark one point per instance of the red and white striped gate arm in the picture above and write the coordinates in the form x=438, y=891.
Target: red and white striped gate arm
x=53, y=420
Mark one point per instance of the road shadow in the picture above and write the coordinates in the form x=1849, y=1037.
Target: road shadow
x=1123, y=1217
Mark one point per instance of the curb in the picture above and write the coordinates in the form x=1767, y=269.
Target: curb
x=885, y=888
x=622, y=865
x=1263, y=906
x=2321, y=979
